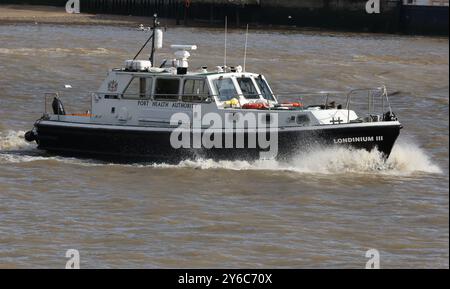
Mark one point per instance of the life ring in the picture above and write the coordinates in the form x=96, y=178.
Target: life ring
x=292, y=104
x=255, y=106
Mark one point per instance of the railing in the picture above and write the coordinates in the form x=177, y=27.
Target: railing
x=48, y=95
x=377, y=100
x=196, y=98
x=53, y=95
x=328, y=99
x=373, y=94
x=302, y=97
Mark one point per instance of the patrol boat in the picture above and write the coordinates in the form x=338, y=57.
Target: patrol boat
x=167, y=113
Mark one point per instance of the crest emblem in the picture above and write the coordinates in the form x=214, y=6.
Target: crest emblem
x=112, y=86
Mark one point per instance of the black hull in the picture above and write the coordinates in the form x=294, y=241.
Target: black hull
x=151, y=145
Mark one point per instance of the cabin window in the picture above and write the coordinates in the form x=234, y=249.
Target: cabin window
x=264, y=88
x=248, y=88
x=225, y=89
x=195, y=90
x=167, y=89
x=139, y=88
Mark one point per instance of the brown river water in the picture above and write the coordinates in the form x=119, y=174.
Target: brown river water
x=322, y=209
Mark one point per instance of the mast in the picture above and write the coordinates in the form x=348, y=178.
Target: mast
x=155, y=26
x=156, y=37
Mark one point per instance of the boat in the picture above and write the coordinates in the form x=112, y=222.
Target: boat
x=144, y=112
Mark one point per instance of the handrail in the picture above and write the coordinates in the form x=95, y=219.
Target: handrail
x=301, y=95
x=171, y=97
x=47, y=95
x=372, y=95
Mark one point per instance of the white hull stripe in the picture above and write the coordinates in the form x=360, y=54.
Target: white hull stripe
x=156, y=129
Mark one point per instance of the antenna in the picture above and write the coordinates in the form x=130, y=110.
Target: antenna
x=226, y=33
x=245, y=49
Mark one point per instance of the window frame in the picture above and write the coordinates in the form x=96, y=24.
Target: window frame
x=258, y=95
x=205, y=86
x=264, y=80
x=235, y=85
x=180, y=83
x=148, y=92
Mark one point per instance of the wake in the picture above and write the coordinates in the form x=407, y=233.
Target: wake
x=332, y=161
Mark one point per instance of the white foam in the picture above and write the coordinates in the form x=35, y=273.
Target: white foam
x=13, y=140
x=406, y=158
x=409, y=158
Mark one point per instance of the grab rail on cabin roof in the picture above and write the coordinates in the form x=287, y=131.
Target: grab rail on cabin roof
x=206, y=97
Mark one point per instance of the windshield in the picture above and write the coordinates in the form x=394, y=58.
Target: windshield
x=248, y=88
x=225, y=88
x=264, y=88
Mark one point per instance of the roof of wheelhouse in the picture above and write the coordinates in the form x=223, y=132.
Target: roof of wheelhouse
x=189, y=73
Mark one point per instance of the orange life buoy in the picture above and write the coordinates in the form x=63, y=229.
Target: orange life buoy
x=255, y=106
x=292, y=104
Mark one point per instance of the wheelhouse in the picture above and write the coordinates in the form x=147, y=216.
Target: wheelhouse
x=221, y=88
x=244, y=87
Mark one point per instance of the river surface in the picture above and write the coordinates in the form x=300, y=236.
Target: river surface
x=323, y=209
